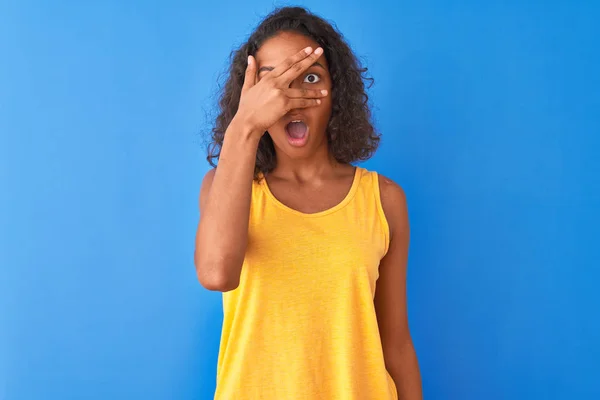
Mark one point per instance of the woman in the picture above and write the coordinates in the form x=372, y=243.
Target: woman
x=295, y=236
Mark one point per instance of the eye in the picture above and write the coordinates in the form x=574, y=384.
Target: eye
x=312, y=78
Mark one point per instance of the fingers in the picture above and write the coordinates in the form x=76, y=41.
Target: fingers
x=290, y=61
x=305, y=93
x=299, y=67
x=302, y=103
x=250, y=77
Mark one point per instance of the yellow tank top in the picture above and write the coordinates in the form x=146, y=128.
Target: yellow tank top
x=302, y=323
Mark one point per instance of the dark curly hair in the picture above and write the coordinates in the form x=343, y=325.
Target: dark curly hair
x=350, y=133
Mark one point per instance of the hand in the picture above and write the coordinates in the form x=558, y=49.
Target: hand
x=262, y=104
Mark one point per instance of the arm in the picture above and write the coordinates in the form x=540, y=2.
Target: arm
x=225, y=195
x=390, y=297
x=222, y=233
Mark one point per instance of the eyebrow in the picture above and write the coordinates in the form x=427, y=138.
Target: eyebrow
x=269, y=68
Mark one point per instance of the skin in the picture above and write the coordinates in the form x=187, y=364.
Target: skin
x=390, y=296
x=307, y=179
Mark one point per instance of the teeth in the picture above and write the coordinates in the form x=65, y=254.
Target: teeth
x=297, y=120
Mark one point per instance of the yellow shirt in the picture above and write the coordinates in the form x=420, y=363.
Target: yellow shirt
x=302, y=323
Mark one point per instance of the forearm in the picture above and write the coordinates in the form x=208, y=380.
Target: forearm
x=223, y=227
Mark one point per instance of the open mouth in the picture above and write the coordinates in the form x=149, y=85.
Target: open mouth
x=297, y=132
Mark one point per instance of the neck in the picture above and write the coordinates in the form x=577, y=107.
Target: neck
x=317, y=165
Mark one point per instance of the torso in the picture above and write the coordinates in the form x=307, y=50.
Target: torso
x=302, y=323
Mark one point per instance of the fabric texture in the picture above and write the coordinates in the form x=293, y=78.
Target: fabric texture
x=302, y=323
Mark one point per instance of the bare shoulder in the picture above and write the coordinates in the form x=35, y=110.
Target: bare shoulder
x=392, y=194
x=393, y=201
x=208, y=177
x=205, y=187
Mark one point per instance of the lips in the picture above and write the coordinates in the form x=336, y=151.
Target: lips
x=297, y=131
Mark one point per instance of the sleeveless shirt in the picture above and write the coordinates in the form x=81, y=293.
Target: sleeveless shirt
x=301, y=325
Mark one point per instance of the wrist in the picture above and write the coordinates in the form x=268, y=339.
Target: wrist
x=243, y=128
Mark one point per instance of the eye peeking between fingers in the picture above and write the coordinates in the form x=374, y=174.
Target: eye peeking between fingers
x=312, y=78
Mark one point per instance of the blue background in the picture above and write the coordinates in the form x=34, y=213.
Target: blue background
x=490, y=116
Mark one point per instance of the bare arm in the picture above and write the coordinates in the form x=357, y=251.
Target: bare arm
x=225, y=195
x=390, y=298
x=222, y=232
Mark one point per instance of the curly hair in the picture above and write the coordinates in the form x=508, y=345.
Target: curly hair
x=350, y=134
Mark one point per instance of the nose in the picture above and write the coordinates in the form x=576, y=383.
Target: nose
x=294, y=84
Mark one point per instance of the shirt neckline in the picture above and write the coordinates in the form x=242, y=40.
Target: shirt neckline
x=341, y=204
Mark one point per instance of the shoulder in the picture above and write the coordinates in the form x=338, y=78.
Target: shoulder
x=393, y=202
x=205, y=186
x=208, y=177
x=392, y=194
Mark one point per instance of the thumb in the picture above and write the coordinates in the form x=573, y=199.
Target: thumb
x=250, y=77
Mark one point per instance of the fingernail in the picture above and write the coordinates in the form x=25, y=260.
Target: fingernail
x=318, y=101
x=319, y=51
x=249, y=60
x=323, y=91
x=308, y=50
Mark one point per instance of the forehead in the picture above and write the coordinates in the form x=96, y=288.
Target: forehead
x=276, y=49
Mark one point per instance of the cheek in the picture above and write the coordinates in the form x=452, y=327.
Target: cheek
x=323, y=111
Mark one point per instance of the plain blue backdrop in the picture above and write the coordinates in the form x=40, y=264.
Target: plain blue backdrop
x=490, y=118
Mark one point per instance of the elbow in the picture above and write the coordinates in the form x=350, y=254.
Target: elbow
x=218, y=282
x=215, y=276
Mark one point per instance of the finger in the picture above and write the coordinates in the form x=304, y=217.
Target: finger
x=305, y=93
x=298, y=68
x=250, y=77
x=290, y=61
x=303, y=103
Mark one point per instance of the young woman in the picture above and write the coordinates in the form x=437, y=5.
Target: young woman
x=309, y=250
